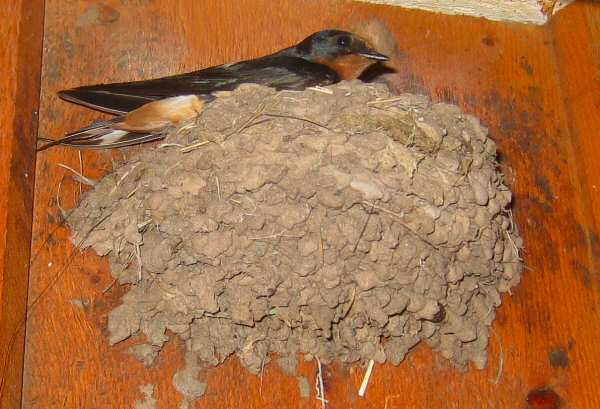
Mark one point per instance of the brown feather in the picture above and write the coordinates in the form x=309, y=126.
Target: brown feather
x=157, y=115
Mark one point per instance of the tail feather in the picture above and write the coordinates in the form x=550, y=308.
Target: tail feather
x=111, y=102
x=102, y=135
x=144, y=124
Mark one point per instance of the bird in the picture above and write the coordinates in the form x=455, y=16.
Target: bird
x=145, y=109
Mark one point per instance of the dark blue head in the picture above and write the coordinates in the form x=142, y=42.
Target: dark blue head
x=329, y=44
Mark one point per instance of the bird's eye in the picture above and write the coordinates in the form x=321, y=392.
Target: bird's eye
x=343, y=41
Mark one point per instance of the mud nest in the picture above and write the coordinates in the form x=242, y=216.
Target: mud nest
x=343, y=223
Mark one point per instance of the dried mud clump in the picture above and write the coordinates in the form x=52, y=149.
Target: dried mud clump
x=343, y=223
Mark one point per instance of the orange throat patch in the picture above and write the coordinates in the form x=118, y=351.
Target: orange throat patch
x=348, y=67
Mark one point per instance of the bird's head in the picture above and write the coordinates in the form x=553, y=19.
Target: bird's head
x=332, y=44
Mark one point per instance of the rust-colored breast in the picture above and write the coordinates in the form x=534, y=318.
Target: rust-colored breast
x=348, y=67
x=159, y=114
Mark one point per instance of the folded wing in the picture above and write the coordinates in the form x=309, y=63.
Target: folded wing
x=277, y=71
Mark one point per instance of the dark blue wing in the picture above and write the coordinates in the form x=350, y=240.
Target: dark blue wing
x=277, y=71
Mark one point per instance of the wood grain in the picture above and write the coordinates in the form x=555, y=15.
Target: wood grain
x=510, y=75
x=580, y=84
x=21, y=26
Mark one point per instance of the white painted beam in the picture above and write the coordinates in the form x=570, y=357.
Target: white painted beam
x=524, y=11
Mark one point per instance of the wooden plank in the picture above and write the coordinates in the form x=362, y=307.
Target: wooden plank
x=577, y=38
x=505, y=73
x=21, y=31
x=576, y=33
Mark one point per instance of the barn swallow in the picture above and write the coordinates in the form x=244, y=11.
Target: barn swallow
x=145, y=109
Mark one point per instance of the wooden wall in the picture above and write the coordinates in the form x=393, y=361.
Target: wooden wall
x=537, y=92
x=21, y=33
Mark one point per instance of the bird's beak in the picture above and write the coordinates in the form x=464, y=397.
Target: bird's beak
x=373, y=55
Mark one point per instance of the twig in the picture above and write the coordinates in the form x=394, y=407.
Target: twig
x=345, y=314
x=262, y=370
x=218, y=187
x=132, y=192
x=362, y=232
x=257, y=114
x=141, y=225
x=138, y=257
x=500, y=359
x=108, y=287
x=275, y=236
x=365, y=381
x=170, y=145
x=193, y=146
x=320, y=388
x=515, y=248
x=211, y=315
x=239, y=203
x=122, y=178
x=78, y=176
x=464, y=175
x=321, y=246
x=299, y=118
x=399, y=218
x=185, y=127
x=321, y=89
x=383, y=101
x=80, y=168
x=63, y=213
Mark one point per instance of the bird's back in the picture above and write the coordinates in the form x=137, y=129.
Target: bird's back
x=280, y=71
